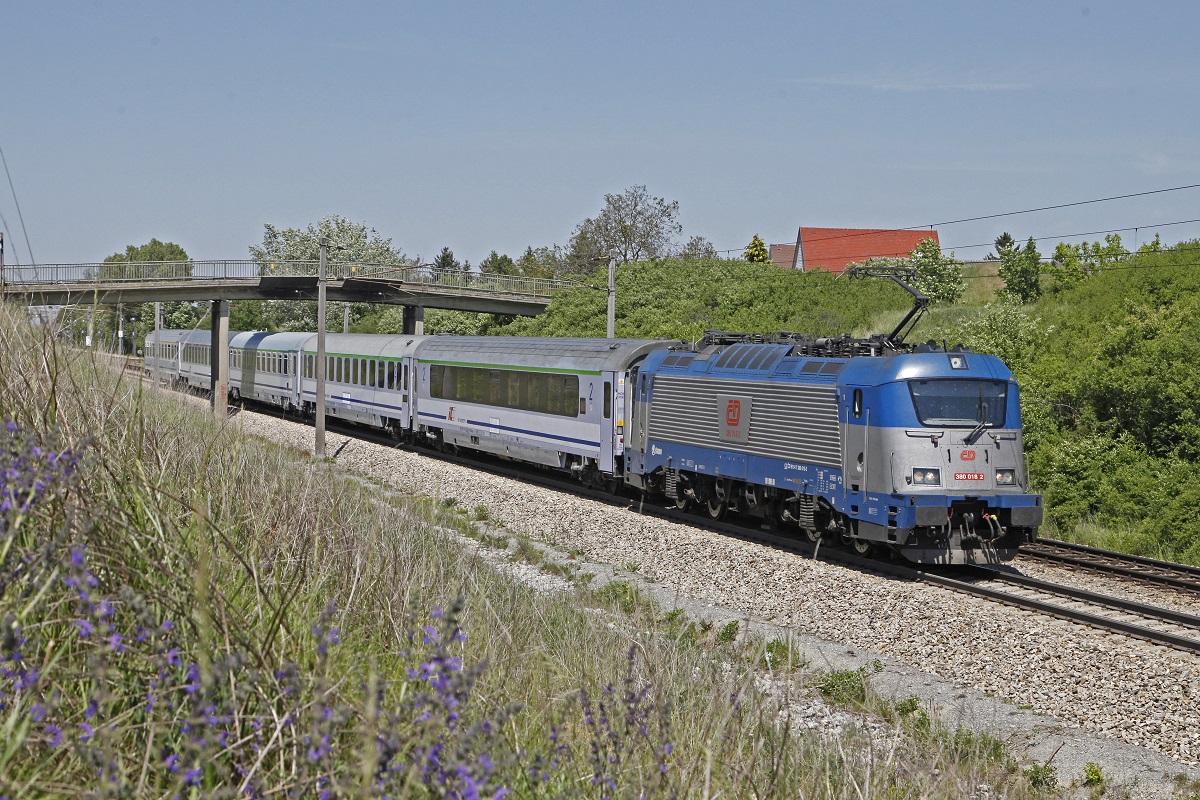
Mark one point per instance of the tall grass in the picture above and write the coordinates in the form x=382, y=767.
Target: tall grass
x=190, y=612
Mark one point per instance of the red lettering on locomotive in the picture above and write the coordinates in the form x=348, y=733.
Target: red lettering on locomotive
x=733, y=413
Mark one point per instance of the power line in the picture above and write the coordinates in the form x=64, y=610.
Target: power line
x=932, y=225
x=8, y=232
x=1068, y=205
x=20, y=216
x=1085, y=233
x=1145, y=227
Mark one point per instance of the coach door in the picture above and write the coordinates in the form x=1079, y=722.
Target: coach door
x=408, y=398
x=608, y=436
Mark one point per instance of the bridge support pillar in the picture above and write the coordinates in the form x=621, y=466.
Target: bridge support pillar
x=220, y=358
x=414, y=320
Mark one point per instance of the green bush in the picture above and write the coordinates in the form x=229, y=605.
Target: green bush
x=728, y=633
x=846, y=687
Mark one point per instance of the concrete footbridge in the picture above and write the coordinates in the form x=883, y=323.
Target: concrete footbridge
x=416, y=287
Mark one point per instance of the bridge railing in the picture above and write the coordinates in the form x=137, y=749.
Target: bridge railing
x=425, y=276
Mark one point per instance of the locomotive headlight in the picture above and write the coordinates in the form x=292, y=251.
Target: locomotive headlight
x=927, y=477
x=1005, y=477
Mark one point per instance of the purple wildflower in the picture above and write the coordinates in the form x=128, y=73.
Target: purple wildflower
x=193, y=677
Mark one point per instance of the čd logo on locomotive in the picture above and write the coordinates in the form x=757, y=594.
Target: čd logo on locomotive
x=736, y=413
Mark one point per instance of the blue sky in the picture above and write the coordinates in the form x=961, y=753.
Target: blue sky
x=485, y=126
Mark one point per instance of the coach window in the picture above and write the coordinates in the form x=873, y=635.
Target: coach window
x=608, y=399
x=858, y=405
x=403, y=374
x=436, y=373
x=554, y=395
x=582, y=406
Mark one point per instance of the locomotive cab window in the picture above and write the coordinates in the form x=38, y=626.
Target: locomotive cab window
x=960, y=403
x=858, y=403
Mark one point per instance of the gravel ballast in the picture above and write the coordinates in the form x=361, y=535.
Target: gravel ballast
x=1062, y=688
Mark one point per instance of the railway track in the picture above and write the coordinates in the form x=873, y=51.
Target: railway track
x=1139, y=620
x=1137, y=568
x=1149, y=623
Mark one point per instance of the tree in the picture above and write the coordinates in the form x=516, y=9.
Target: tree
x=632, y=225
x=154, y=259
x=349, y=242
x=1073, y=263
x=542, y=262
x=697, y=248
x=756, y=252
x=446, y=262
x=939, y=275
x=1004, y=241
x=496, y=264
x=1155, y=246
x=1021, y=270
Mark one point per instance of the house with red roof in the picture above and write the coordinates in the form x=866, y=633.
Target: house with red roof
x=831, y=249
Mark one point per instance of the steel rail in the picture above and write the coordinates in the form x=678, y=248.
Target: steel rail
x=1140, y=568
x=1129, y=628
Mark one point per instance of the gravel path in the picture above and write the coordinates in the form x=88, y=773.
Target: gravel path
x=1123, y=690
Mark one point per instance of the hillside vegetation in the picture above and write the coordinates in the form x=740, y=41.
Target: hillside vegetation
x=680, y=300
x=1110, y=389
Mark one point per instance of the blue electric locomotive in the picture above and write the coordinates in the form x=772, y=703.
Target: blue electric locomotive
x=916, y=452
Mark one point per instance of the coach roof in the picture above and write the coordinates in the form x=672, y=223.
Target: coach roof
x=583, y=355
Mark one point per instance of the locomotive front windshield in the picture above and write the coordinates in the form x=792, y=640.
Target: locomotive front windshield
x=960, y=403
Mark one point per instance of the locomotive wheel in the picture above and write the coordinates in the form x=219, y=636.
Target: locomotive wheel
x=716, y=508
x=812, y=534
x=863, y=547
x=683, y=502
